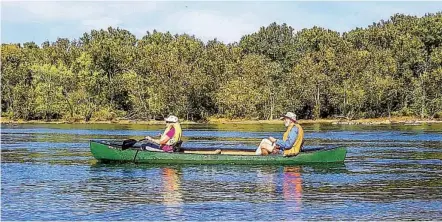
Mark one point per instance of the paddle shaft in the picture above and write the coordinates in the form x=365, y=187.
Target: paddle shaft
x=135, y=156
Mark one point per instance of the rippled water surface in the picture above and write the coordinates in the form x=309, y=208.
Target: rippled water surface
x=390, y=173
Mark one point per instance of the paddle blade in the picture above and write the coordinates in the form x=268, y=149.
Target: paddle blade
x=128, y=143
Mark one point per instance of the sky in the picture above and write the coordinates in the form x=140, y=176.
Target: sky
x=228, y=21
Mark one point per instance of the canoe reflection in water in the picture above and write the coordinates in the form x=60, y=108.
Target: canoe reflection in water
x=172, y=198
x=292, y=186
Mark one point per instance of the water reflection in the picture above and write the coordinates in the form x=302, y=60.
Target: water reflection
x=390, y=173
x=266, y=180
x=172, y=197
x=281, y=183
x=292, y=186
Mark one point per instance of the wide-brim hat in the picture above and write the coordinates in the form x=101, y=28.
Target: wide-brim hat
x=290, y=116
x=171, y=119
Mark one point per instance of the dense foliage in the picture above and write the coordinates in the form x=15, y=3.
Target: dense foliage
x=392, y=67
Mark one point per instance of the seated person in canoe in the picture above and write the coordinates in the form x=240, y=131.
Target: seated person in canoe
x=291, y=143
x=168, y=140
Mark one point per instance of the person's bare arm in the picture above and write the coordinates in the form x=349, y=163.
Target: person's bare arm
x=162, y=141
x=273, y=140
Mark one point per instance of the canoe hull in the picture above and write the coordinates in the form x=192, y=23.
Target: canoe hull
x=109, y=153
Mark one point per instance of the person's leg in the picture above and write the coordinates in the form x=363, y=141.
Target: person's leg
x=264, y=152
x=265, y=147
x=151, y=146
x=258, y=150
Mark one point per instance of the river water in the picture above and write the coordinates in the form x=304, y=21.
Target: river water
x=390, y=173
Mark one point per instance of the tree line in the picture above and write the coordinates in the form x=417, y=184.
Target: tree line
x=390, y=68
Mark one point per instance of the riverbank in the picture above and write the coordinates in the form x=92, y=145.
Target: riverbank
x=374, y=121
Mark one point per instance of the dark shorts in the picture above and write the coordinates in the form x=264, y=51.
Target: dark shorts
x=150, y=145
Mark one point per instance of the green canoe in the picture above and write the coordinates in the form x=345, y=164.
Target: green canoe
x=113, y=152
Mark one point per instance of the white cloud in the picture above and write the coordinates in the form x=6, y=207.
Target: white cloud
x=72, y=10
x=208, y=25
x=363, y=14
x=57, y=18
x=226, y=21
x=19, y=11
x=101, y=23
x=85, y=14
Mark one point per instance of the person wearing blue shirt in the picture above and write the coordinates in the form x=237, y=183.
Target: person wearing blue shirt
x=272, y=145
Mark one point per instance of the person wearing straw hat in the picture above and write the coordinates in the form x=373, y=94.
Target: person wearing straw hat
x=291, y=143
x=169, y=139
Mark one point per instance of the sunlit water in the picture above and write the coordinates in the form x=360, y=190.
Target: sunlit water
x=390, y=173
